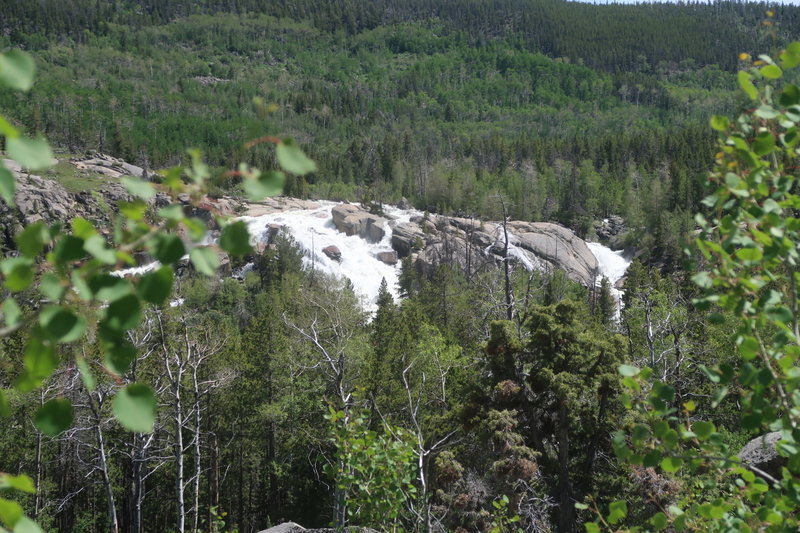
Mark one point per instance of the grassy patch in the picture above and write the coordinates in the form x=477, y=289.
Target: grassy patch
x=74, y=179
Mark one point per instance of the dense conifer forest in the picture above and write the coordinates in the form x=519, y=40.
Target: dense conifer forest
x=499, y=400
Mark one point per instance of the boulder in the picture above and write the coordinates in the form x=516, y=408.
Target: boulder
x=761, y=453
x=390, y=258
x=407, y=237
x=558, y=246
x=472, y=245
x=108, y=166
x=277, y=204
x=291, y=527
x=288, y=527
x=333, y=252
x=353, y=220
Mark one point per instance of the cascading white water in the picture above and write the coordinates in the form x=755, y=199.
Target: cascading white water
x=313, y=230
x=612, y=265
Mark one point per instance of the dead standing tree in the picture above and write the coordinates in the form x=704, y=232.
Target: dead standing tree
x=185, y=348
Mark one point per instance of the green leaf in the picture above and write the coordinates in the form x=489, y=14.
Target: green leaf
x=11, y=312
x=764, y=143
x=703, y=429
x=617, y=511
x=790, y=57
x=32, y=239
x=752, y=255
x=138, y=187
x=771, y=72
x=135, y=408
x=86, y=374
x=659, y=521
x=69, y=248
x=82, y=228
x=790, y=96
x=168, y=249
x=18, y=273
x=134, y=211
x=21, y=483
x=39, y=357
x=107, y=288
x=17, y=69
x=124, y=314
x=749, y=348
x=54, y=417
x=26, y=525
x=61, y=324
x=628, y=370
x=235, y=239
x=747, y=85
x=591, y=527
x=652, y=458
x=292, y=159
x=671, y=464
x=7, y=185
x=720, y=123
x=156, y=286
x=264, y=185
x=96, y=245
x=10, y=512
x=5, y=408
x=172, y=212
x=780, y=314
x=33, y=154
x=119, y=356
x=205, y=260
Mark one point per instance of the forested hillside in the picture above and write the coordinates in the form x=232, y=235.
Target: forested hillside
x=162, y=370
x=573, y=111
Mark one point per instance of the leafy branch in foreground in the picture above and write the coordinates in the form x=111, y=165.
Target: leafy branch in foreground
x=748, y=269
x=75, y=271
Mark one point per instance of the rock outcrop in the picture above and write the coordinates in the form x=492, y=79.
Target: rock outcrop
x=353, y=220
x=43, y=199
x=761, y=453
x=291, y=527
x=333, y=252
x=390, y=258
x=108, y=166
x=473, y=245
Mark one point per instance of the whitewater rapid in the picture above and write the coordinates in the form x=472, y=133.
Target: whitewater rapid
x=313, y=230
x=613, y=266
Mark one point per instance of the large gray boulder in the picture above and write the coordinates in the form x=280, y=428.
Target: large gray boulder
x=407, y=237
x=291, y=527
x=472, y=245
x=761, y=453
x=353, y=220
x=559, y=247
x=108, y=166
x=288, y=527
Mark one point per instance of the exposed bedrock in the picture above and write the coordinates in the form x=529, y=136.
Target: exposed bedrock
x=473, y=245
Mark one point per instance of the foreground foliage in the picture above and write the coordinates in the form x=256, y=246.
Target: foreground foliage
x=748, y=268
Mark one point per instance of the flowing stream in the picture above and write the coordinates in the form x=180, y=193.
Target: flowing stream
x=612, y=265
x=314, y=230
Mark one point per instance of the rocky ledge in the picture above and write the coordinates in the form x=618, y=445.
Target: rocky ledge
x=291, y=527
x=473, y=245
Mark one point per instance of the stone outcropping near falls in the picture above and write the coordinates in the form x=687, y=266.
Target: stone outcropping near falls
x=40, y=198
x=472, y=245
